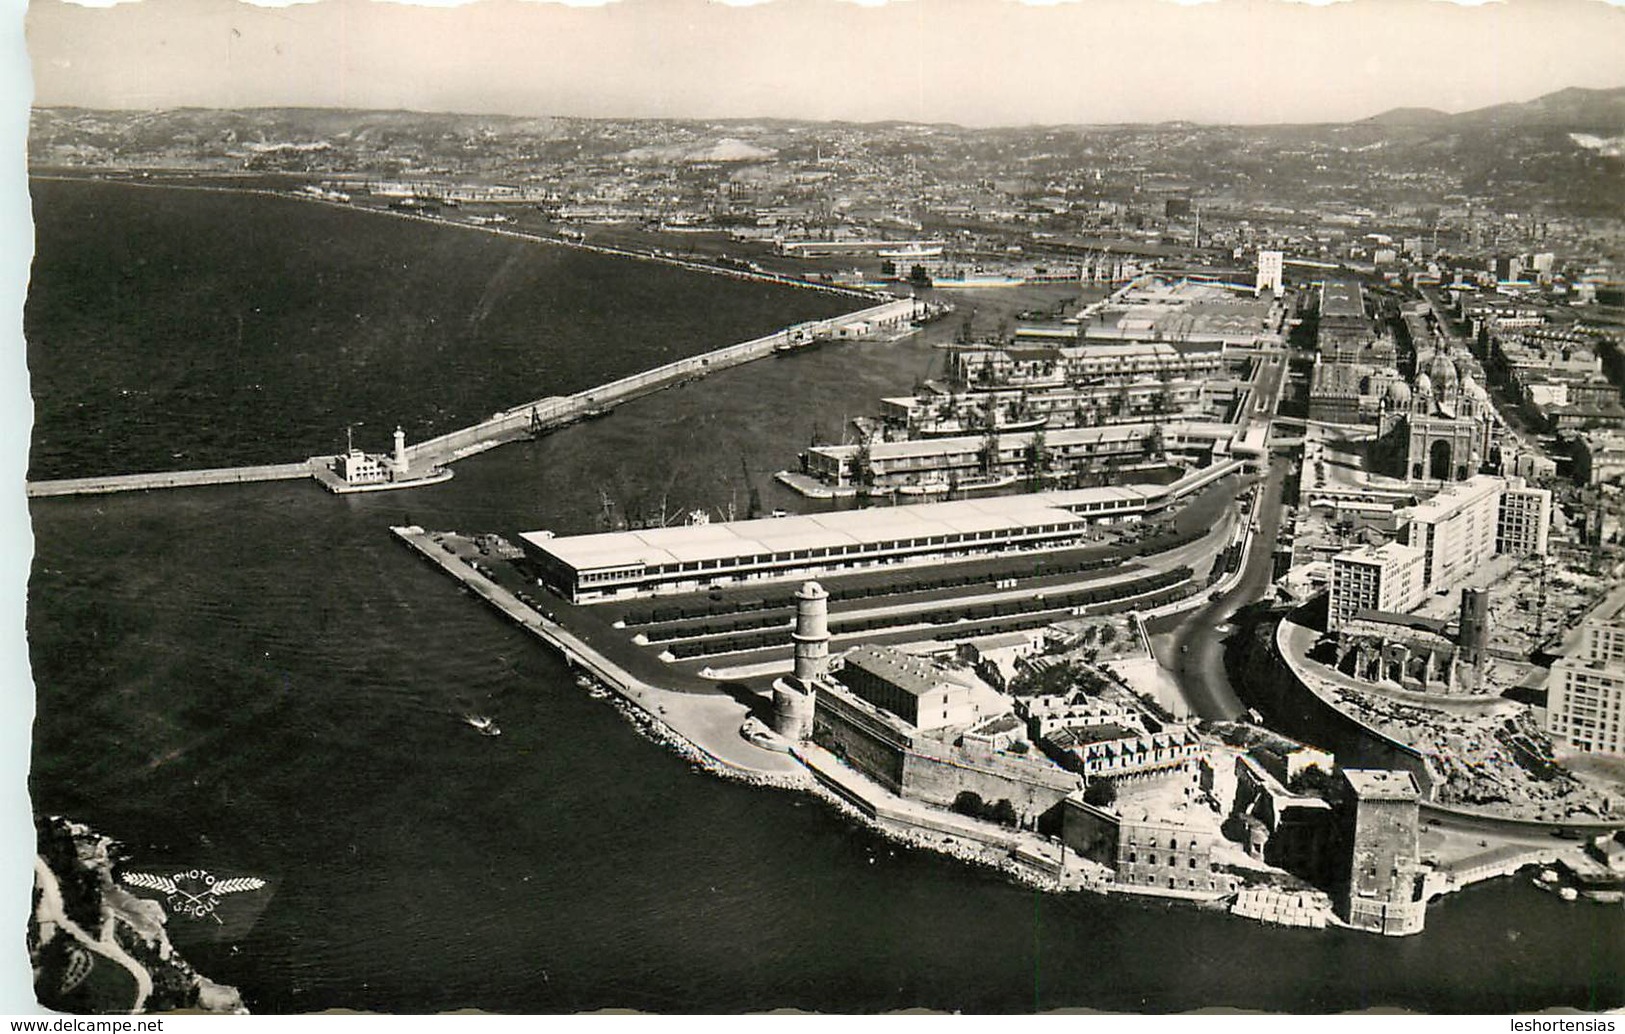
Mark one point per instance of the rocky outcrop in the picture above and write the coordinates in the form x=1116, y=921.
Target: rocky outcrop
x=96, y=948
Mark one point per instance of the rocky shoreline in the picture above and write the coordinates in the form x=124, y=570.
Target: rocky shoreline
x=96, y=948
x=651, y=728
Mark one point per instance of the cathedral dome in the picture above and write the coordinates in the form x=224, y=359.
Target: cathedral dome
x=1443, y=372
x=1424, y=384
x=1398, y=393
x=1472, y=388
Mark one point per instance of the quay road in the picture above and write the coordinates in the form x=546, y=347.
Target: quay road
x=1192, y=645
x=1219, y=518
x=708, y=722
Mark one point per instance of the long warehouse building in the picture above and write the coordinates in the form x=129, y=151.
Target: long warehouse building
x=617, y=565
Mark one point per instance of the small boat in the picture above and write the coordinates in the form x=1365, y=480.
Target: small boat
x=485, y=725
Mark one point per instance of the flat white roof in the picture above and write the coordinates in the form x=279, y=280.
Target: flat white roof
x=690, y=543
x=1458, y=495
x=1054, y=438
x=1381, y=784
x=1379, y=554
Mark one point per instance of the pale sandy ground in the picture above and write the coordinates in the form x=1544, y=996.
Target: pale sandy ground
x=712, y=724
x=1148, y=676
x=708, y=722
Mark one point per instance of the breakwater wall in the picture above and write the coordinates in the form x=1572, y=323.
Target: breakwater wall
x=521, y=421
x=695, y=736
x=559, y=410
x=168, y=479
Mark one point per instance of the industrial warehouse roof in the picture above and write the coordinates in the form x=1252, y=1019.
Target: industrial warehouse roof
x=769, y=535
x=1341, y=298
x=1091, y=350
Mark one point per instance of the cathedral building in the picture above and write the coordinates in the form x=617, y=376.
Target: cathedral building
x=1445, y=418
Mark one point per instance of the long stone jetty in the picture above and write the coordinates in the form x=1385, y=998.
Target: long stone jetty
x=169, y=479
x=556, y=411
x=522, y=421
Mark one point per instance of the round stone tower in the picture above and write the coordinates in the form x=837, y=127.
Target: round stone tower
x=812, y=632
x=1473, y=639
x=794, y=697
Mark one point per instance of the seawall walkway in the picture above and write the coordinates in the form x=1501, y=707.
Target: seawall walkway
x=169, y=479
x=707, y=723
x=556, y=411
x=518, y=423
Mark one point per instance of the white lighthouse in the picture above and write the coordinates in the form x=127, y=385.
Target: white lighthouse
x=401, y=464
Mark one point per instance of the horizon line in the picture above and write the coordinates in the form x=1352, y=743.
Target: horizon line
x=1174, y=121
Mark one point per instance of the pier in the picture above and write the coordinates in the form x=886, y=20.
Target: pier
x=555, y=411
x=707, y=725
x=169, y=479
x=525, y=421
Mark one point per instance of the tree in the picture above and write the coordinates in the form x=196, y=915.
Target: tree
x=888, y=268
x=1122, y=402
x=1314, y=782
x=1037, y=460
x=1100, y=792
x=863, y=464
x=1162, y=401
x=988, y=455
x=1153, y=441
x=969, y=802
x=919, y=277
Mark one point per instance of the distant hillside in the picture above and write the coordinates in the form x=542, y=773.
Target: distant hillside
x=1561, y=152
x=1573, y=109
x=1408, y=117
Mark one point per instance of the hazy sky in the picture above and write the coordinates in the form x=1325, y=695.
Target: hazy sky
x=971, y=61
